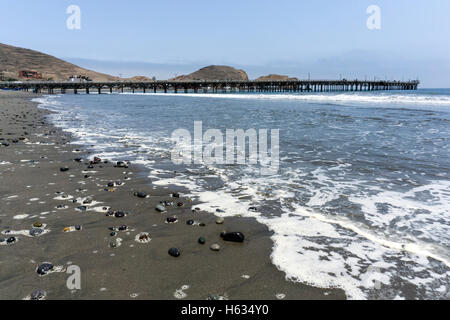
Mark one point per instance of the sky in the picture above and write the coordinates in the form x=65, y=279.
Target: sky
x=318, y=39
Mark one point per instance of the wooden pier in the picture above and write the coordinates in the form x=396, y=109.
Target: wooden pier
x=211, y=86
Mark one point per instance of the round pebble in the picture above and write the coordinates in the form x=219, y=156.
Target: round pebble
x=44, y=268
x=190, y=222
x=121, y=164
x=171, y=220
x=174, y=252
x=160, y=208
x=220, y=220
x=215, y=247
x=11, y=240
x=201, y=240
x=141, y=195
x=38, y=295
x=232, y=236
x=119, y=214
x=37, y=225
x=143, y=237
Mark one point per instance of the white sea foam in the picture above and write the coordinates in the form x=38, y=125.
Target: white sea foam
x=21, y=216
x=11, y=197
x=320, y=97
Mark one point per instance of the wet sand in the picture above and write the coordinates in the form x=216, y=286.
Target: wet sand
x=31, y=179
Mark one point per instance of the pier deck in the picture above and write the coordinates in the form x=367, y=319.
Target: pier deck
x=212, y=86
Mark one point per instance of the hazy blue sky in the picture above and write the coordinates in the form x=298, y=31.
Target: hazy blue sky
x=326, y=38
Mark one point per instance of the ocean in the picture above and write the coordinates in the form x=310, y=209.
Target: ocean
x=361, y=199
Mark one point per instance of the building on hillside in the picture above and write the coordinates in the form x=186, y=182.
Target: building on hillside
x=29, y=74
x=79, y=78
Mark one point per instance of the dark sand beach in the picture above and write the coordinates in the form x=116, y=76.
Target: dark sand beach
x=30, y=179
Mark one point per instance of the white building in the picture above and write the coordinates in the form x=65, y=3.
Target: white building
x=79, y=79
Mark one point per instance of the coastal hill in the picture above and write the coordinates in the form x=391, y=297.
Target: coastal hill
x=214, y=73
x=15, y=59
x=276, y=77
x=139, y=79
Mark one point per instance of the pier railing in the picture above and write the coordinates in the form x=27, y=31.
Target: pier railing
x=212, y=86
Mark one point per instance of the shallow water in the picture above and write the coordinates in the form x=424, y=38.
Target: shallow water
x=361, y=200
